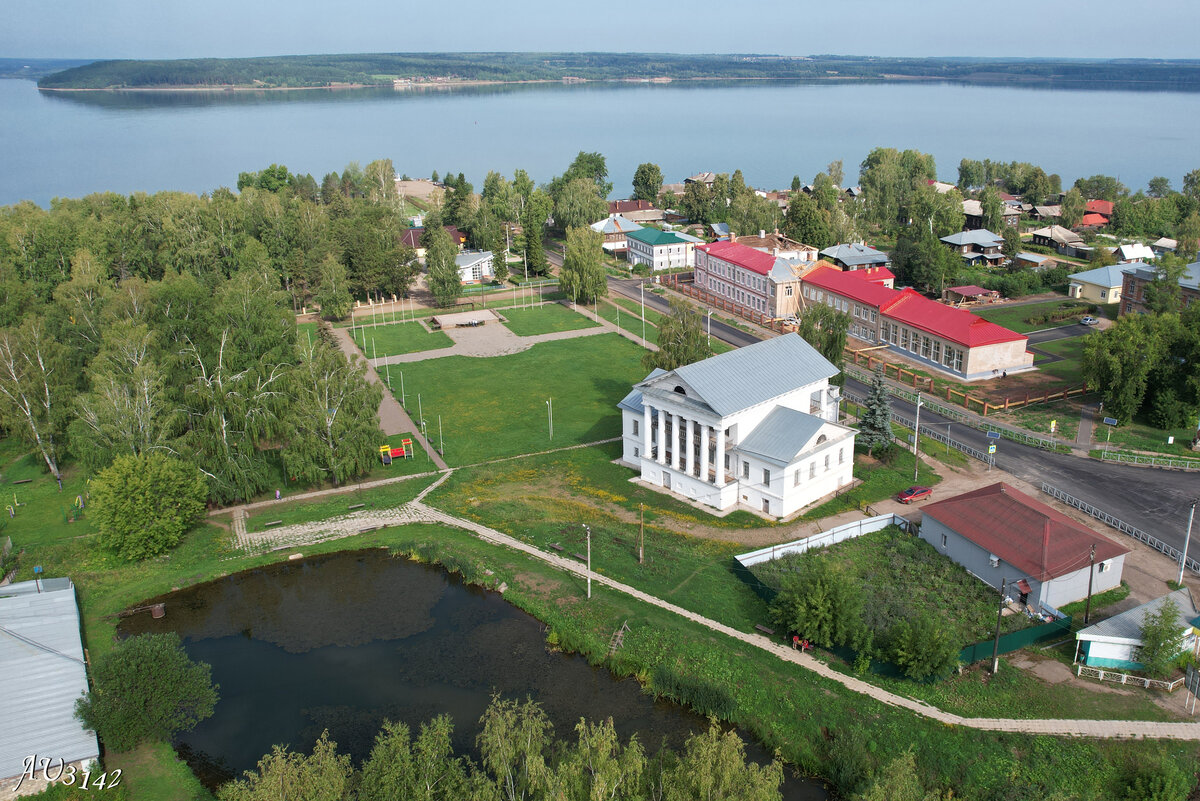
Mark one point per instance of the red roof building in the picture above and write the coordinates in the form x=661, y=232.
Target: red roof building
x=1104, y=207
x=1000, y=534
x=412, y=238
x=1093, y=221
x=947, y=338
x=622, y=206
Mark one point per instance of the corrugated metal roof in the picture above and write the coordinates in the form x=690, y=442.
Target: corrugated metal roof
x=41, y=660
x=855, y=255
x=1128, y=624
x=782, y=435
x=654, y=237
x=470, y=257
x=615, y=225
x=748, y=376
x=633, y=401
x=980, y=236
x=741, y=255
x=1109, y=276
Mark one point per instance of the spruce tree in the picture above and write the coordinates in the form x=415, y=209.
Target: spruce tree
x=875, y=425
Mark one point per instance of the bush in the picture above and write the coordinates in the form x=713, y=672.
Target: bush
x=143, y=504
x=147, y=688
x=922, y=648
x=1163, y=781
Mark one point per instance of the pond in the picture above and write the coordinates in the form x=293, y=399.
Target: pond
x=344, y=641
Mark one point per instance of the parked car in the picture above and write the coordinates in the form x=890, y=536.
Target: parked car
x=1089, y=320
x=914, y=494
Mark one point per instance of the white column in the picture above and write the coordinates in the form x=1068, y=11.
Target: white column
x=691, y=452
x=705, y=438
x=720, y=457
x=675, y=441
x=647, y=429
x=661, y=437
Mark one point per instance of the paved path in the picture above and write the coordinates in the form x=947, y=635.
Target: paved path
x=417, y=511
x=1087, y=423
x=392, y=417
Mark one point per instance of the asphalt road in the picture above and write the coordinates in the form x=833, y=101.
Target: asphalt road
x=1063, y=332
x=1154, y=500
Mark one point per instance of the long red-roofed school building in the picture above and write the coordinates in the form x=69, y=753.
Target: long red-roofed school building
x=945, y=338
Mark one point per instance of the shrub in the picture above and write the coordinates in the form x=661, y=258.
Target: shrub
x=147, y=688
x=922, y=648
x=143, y=504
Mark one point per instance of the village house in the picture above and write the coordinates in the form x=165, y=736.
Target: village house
x=975, y=246
x=969, y=293
x=1101, y=285
x=1137, y=276
x=856, y=256
x=755, y=427
x=475, y=266
x=779, y=245
x=945, y=338
x=1043, y=558
x=1034, y=261
x=740, y=274
x=412, y=238
x=1117, y=641
x=636, y=211
x=1134, y=252
x=1046, y=212
x=1163, y=245
x=973, y=215
x=615, y=229
x=660, y=250
x=1064, y=240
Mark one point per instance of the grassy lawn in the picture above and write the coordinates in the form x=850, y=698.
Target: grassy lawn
x=631, y=320
x=547, y=319
x=1037, y=417
x=880, y=480
x=1017, y=318
x=385, y=497
x=903, y=576
x=1139, y=435
x=307, y=332
x=1070, y=369
x=394, y=339
x=939, y=450
x=492, y=408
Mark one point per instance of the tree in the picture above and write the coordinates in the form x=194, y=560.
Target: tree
x=681, y=339
x=146, y=689
x=596, y=766
x=993, y=209
x=577, y=205
x=1119, y=361
x=1159, y=780
x=1191, y=185
x=1103, y=187
x=749, y=214
x=444, y=280
x=898, y=781
x=34, y=391
x=1162, y=640
x=590, y=166
x=513, y=745
x=821, y=602
x=888, y=178
x=697, y=203
x=143, y=504
x=971, y=174
x=923, y=260
x=331, y=426
x=825, y=329
x=1163, y=293
x=805, y=222
x=1073, y=206
x=797, y=184
x=325, y=775
x=379, y=179
x=1189, y=237
x=422, y=770
x=922, y=647
x=836, y=172
x=647, y=182
x=713, y=767
x=1012, y=244
x=582, y=278
x=533, y=221
x=333, y=292
x=938, y=213
x=875, y=424
x=1158, y=187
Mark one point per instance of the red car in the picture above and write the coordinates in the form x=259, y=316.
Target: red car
x=914, y=494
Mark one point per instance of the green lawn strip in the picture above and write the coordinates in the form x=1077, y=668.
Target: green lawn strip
x=1139, y=435
x=496, y=407
x=306, y=332
x=630, y=322
x=395, y=339
x=384, y=497
x=153, y=772
x=1036, y=417
x=652, y=316
x=880, y=480
x=546, y=319
x=1015, y=318
x=1100, y=601
x=939, y=450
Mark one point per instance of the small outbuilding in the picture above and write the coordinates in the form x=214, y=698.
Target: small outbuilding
x=1116, y=642
x=969, y=293
x=1000, y=534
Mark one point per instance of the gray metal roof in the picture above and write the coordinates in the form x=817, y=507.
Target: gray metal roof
x=980, y=236
x=1111, y=275
x=855, y=255
x=41, y=660
x=633, y=401
x=469, y=257
x=751, y=375
x=1128, y=624
x=615, y=225
x=720, y=228
x=781, y=435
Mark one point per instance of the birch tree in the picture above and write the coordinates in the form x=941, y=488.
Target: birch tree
x=34, y=389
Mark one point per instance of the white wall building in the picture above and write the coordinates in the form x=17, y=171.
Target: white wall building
x=475, y=266
x=755, y=427
x=660, y=250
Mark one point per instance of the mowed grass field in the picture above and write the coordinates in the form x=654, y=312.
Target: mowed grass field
x=1015, y=318
x=497, y=407
x=397, y=338
x=548, y=319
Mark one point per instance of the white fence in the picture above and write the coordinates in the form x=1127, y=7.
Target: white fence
x=1127, y=678
x=1150, y=461
x=833, y=536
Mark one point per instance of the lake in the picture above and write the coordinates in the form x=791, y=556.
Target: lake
x=341, y=642
x=70, y=144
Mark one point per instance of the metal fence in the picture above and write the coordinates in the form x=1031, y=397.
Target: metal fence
x=1120, y=525
x=932, y=433
x=846, y=531
x=1150, y=461
x=1125, y=678
x=1014, y=640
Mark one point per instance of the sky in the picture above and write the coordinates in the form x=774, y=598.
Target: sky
x=233, y=28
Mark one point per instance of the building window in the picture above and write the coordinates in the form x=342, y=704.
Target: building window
x=796, y=478
x=1105, y=566
x=937, y=351
x=745, y=470
x=635, y=453
x=993, y=560
x=635, y=427
x=925, y=345
x=787, y=291
x=841, y=455
x=766, y=476
x=812, y=470
x=944, y=540
x=826, y=463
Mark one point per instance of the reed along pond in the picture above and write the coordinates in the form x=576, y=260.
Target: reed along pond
x=343, y=642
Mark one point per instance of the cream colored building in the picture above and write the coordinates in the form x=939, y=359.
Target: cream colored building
x=1101, y=285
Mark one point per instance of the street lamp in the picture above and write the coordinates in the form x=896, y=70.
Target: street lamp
x=1186, y=541
x=588, y=529
x=550, y=416
x=917, y=439
x=710, y=329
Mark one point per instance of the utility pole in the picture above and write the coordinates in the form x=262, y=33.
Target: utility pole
x=1187, y=540
x=917, y=439
x=642, y=534
x=1087, y=609
x=588, y=529
x=996, y=642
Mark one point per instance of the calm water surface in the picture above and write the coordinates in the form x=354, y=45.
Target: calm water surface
x=344, y=641
x=70, y=144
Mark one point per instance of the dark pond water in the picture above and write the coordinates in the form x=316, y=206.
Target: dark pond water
x=344, y=641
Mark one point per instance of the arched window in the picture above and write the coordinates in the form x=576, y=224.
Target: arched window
x=680, y=391
x=821, y=439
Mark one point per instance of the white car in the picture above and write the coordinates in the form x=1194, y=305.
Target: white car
x=1090, y=320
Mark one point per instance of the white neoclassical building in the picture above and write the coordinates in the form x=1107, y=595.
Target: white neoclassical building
x=755, y=427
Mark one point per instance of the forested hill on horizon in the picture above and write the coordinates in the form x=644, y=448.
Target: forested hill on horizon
x=381, y=69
